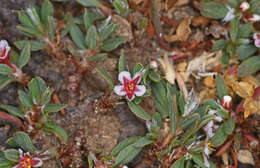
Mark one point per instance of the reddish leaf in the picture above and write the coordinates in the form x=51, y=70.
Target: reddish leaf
x=150, y=29
x=224, y=148
x=232, y=70
x=240, y=108
x=12, y=119
x=256, y=93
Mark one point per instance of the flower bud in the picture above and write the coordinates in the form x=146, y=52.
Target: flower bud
x=226, y=102
x=244, y=6
x=253, y=17
x=153, y=65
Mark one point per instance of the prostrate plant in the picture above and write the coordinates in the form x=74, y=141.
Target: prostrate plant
x=49, y=34
x=241, y=15
x=14, y=157
x=35, y=109
x=193, y=131
x=97, y=38
x=11, y=64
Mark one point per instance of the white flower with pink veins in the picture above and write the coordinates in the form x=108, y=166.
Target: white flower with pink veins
x=4, y=49
x=129, y=87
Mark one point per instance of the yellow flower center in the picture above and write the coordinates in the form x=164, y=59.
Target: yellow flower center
x=27, y=163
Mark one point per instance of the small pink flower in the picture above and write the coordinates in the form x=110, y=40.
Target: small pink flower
x=252, y=17
x=4, y=53
x=210, y=129
x=257, y=39
x=26, y=161
x=226, y=102
x=244, y=6
x=129, y=87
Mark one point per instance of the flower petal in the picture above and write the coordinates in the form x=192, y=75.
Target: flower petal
x=256, y=35
x=36, y=162
x=123, y=74
x=21, y=152
x=137, y=75
x=17, y=166
x=140, y=90
x=230, y=15
x=257, y=43
x=4, y=47
x=119, y=90
x=3, y=44
x=130, y=98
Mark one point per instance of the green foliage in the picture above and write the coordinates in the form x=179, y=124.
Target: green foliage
x=105, y=76
x=219, y=44
x=24, y=56
x=139, y=111
x=249, y=66
x=121, y=7
x=122, y=63
x=112, y=43
x=89, y=3
x=5, y=70
x=213, y=9
x=56, y=130
x=35, y=45
x=245, y=51
x=23, y=141
x=12, y=155
x=221, y=87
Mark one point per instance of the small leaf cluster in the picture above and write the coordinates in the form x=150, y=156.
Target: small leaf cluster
x=36, y=110
x=40, y=24
x=10, y=74
x=97, y=38
x=10, y=157
x=239, y=44
x=171, y=107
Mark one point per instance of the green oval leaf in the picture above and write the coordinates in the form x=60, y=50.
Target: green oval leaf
x=92, y=37
x=123, y=144
x=25, y=55
x=77, y=36
x=54, y=107
x=249, y=66
x=23, y=141
x=214, y=10
x=5, y=70
x=112, y=43
x=56, y=130
x=245, y=51
x=12, y=155
x=221, y=87
x=139, y=111
x=35, y=45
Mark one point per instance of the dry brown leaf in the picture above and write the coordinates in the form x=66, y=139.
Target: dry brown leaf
x=137, y=2
x=182, y=33
x=169, y=4
x=210, y=82
x=200, y=21
x=250, y=107
x=243, y=89
x=252, y=80
x=244, y=156
x=168, y=69
x=182, y=2
x=181, y=67
x=124, y=28
x=182, y=86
